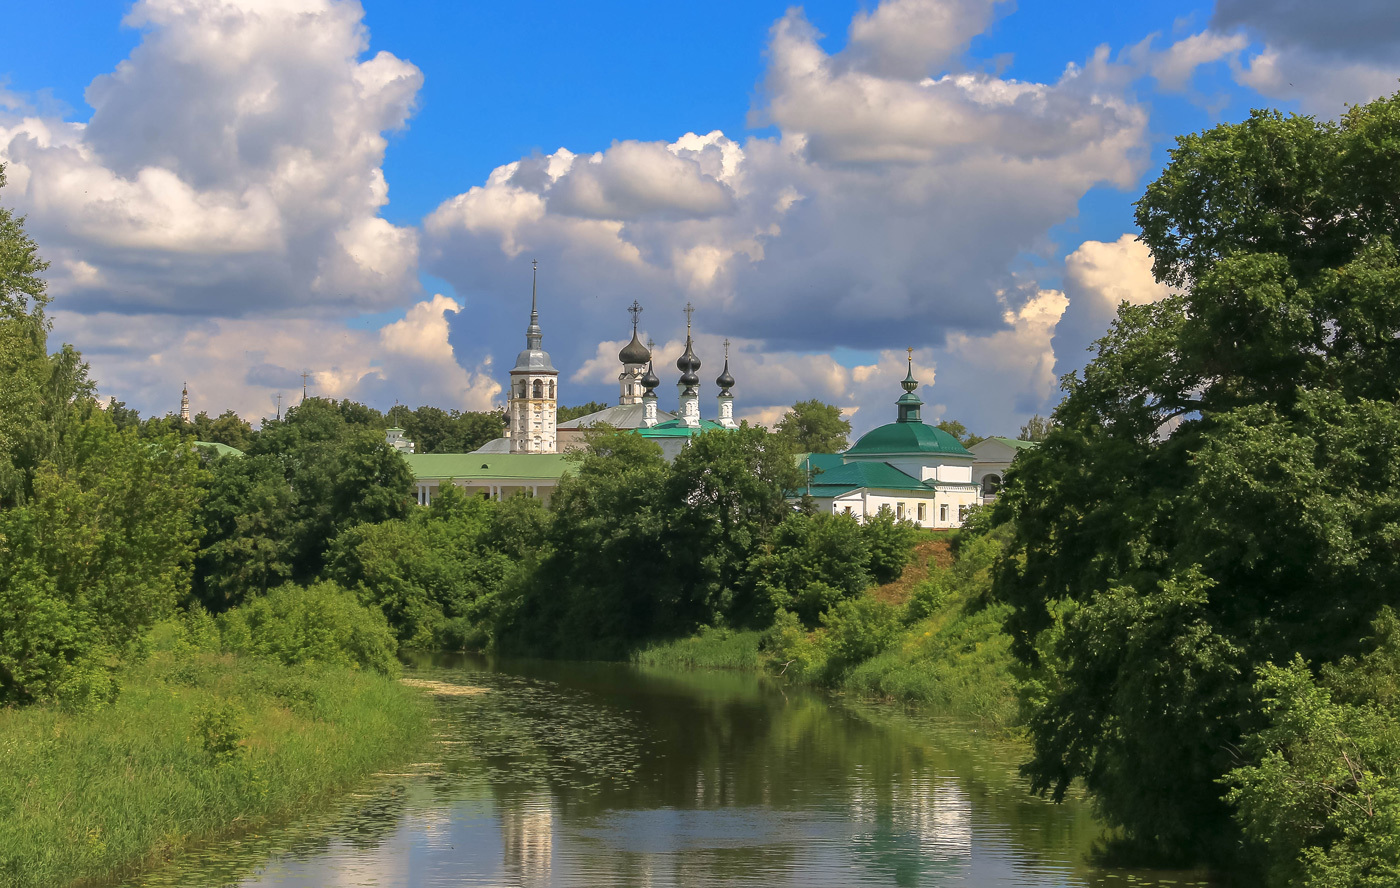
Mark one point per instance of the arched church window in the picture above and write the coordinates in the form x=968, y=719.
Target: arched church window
x=523, y=392
x=539, y=388
x=551, y=388
x=991, y=484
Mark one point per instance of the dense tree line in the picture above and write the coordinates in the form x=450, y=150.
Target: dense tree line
x=1204, y=552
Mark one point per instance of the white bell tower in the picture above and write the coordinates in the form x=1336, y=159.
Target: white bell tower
x=533, y=400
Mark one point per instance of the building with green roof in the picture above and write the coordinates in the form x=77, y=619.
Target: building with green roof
x=491, y=475
x=919, y=472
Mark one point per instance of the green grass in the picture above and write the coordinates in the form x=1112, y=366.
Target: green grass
x=196, y=745
x=956, y=662
x=708, y=649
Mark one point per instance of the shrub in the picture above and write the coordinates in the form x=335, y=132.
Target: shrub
x=814, y=562
x=856, y=630
x=796, y=653
x=321, y=623
x=927, y=598
x=891, y=544
x=221, y=731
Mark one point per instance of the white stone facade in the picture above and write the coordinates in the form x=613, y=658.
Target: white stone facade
x=532, y=407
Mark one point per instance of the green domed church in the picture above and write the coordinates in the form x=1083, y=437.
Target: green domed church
x=920, y=473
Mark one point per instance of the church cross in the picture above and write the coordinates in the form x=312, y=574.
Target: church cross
x=689, y=310
x=635, y=310
x=726, y=349
x=305, y=374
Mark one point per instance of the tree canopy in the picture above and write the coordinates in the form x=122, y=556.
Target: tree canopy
x=814, y=427
x=1220, y=487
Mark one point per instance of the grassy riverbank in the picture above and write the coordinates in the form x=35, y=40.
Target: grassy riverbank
x=707, y=649
x=197, y=744
x=930, y=640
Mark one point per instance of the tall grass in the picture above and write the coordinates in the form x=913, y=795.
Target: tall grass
x=197, y=744
x=708, y=649
x=957, y=662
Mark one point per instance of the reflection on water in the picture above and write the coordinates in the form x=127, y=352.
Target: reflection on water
x=569, y=774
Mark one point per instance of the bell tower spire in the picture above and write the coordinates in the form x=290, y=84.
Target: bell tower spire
x=185, y=403
x=533, y=398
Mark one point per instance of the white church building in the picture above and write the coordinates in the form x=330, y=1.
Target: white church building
x=917, y=471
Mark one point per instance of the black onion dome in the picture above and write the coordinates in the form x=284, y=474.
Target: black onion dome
x=687, y=362
x=725, y=381
x=634, y=352
x=650, y=379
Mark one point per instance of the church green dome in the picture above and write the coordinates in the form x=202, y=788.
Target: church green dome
x=906, y=437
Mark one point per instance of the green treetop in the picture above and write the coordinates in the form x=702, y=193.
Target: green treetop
x=814, y=427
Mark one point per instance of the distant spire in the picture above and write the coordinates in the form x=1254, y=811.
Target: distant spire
x=185, y=403
x=533, y=336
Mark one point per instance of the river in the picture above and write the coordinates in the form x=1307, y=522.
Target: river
x=587, y=774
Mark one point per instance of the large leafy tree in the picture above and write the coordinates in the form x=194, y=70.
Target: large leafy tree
x=96, y=525
x=603, y=580
x=434, y=430
x=724, y=498
x=814, y=427
x=1221, y=486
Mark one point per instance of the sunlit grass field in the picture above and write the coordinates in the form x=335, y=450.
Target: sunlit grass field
x=196, y=744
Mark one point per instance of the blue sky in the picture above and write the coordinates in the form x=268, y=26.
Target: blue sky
x=970, y=199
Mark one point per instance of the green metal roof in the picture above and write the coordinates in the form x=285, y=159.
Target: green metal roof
x=822, y=462
x=676, y=428
x=1015, y=442
x=488, y=466
x=853, y=476
x=219, y=449
x=907, y=437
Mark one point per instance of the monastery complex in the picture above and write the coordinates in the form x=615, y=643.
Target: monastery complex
x=921, y=473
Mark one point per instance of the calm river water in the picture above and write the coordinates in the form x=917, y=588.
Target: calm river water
x=584, y=774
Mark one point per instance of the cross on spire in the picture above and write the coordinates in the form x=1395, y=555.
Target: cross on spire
x=305, y=374
x=689, y=310
x=726, y=350
x=635, y=309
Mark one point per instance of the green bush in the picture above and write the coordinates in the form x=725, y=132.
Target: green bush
x=856, y=630
x=814, y=562
x=796, y=653
x=220, y=728
x=927, y=598
x=321, y=623
x=99, y=552
x=1322, y=800
x=891, y=544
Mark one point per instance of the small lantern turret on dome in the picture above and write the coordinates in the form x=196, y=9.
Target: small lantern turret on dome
x=909, y=402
